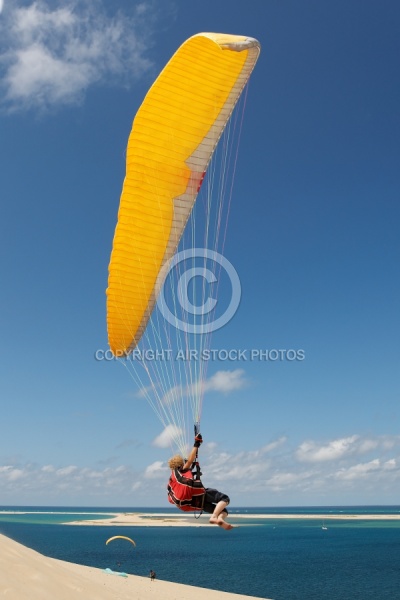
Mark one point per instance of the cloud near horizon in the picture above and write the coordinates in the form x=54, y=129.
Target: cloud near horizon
x=268, y=475
x=312, y=470
x=341, y=448
x=312, y=452
x=50, y=56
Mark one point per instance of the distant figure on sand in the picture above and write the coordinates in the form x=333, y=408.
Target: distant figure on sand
x=189, y=494
x=152, y=575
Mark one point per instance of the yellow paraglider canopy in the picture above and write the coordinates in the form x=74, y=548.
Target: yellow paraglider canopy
x=120, y=537
x=173, y=137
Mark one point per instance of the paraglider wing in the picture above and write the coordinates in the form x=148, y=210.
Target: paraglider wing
x=120, y=537
x=171, y=143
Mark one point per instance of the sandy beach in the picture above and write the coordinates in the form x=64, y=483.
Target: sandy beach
x=28, y=575
x=184, y=520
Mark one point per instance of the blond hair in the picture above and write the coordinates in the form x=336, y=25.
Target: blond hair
x=176, y=462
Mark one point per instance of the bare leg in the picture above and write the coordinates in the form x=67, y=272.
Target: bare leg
x=221, y=521
x=217, y=511
x=219, y=515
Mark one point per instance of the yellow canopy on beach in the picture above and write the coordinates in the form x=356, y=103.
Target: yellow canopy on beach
x=173, y=137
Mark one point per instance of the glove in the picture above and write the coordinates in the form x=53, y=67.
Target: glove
x=198, y=440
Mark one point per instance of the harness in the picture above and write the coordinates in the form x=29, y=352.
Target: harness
x=185, y=489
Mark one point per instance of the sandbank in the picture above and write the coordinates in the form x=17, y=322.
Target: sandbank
x=28, y=575
x=188, y=520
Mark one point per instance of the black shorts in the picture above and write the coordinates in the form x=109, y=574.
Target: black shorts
x=212, y=498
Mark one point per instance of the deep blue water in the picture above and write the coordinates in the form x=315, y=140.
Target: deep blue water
x=279, y=559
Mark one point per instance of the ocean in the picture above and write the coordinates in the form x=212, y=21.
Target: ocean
x=281, y=559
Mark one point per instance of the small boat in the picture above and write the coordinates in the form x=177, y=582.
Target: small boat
x=324, y=527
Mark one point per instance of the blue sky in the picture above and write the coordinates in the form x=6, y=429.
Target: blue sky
x=313, y=234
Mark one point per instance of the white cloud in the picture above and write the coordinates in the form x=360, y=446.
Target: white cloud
x=389, y=442
x=222, y=382
x=10, y=473
x=246, y=468
x=166, y=437
x=367, y=445
x=1, y=6
x=15, y=474
x=226, y=381
x=358, y=471
x=47, y=484
x=175, y=393
x=50, y=56
x=315, y=452
x=155, y=469
x=390, y=464
x=281, y=481
x=272, y=445
x=66, y=471
x=146, y=391
x=375, y=467
x=310, y=451
x=263, y=475
x=323, y=473
x=210, y=446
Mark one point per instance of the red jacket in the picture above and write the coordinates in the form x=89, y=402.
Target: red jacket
x=184, y=491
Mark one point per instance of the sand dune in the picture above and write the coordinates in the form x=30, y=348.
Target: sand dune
x=28, y=575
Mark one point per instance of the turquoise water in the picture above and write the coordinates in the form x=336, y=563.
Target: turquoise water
x=274, y=558
x=47, y=516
